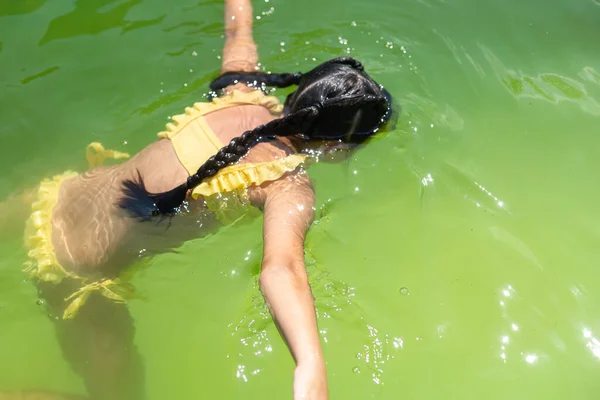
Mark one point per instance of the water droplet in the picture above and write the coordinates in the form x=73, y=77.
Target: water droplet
x=40, y=302
x=404, y=291
x=356, y=370
x=531, y=358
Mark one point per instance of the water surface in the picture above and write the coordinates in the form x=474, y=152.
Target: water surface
x=456, y=256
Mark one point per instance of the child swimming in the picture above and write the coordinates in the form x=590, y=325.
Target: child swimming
x=242, y=149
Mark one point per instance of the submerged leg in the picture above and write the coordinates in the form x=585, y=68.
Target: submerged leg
x=99, y=344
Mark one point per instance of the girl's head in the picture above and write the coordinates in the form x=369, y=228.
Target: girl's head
x=350, y=105
x=336, y=101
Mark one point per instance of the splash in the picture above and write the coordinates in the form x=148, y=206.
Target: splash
x=252, y=339
x=377, y=352
x=255, y=331
x=335, y=300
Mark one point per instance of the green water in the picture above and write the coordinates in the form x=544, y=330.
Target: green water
x=456, y=257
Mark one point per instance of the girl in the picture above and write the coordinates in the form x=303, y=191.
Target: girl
x=243, y=149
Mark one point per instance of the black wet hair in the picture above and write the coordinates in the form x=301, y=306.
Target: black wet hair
x=337, y=100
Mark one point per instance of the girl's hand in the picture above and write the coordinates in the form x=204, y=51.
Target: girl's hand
x=310, y=381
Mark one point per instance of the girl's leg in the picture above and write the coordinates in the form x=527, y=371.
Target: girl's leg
x=99, y=344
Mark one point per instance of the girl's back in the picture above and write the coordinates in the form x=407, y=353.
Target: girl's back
x=93, y=236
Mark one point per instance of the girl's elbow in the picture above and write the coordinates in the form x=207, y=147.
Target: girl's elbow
x=274, y=272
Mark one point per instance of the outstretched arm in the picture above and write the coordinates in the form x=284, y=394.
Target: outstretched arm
x=288, y=212
x=239, y=52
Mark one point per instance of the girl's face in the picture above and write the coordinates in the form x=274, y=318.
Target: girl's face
x=326, y=150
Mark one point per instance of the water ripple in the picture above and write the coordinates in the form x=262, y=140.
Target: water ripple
x=459, y=53
x=98, y=18
x=590, y=74
x=516, y=244
x=472, y=190
x=550, y=87
x=19, y=7
x=45, y=72
x=424, y=109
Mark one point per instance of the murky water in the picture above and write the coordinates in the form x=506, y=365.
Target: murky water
x=455, y=257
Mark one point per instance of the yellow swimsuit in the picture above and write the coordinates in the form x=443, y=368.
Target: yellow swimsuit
x=194, y=142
